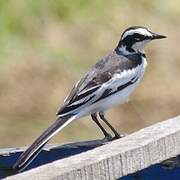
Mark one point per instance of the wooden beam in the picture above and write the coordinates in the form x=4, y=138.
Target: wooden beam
x=121, y=157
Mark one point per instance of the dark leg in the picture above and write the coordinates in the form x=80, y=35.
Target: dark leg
x=117, y=135
x=94, y=118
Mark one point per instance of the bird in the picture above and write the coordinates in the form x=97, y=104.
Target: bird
x=108, y=83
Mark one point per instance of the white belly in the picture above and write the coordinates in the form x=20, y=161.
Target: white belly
x=111, y=101
x=116, y=99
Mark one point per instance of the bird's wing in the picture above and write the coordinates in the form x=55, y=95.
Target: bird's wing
x=99, y=74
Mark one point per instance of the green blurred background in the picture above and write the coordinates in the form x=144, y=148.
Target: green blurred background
x=45, y=46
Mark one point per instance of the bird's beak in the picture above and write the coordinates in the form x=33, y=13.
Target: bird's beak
x=157, y=36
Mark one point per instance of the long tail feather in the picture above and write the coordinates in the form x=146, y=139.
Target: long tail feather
x=28, y=155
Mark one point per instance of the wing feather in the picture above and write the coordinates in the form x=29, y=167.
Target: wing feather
x=99, y=74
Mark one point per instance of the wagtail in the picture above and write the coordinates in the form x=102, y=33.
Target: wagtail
x=108, y=83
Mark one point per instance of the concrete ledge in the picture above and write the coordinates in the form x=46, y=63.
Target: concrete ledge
x=116, y=159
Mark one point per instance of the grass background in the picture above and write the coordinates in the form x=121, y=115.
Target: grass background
x=45, y=46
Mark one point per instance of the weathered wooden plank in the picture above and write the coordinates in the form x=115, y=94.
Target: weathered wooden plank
x=50, y=153
x=137, y=151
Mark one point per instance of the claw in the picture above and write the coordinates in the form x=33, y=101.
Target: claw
x=118, y=136
x=108, y=137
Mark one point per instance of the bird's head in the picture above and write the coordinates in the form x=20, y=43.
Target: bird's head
x=134, y=39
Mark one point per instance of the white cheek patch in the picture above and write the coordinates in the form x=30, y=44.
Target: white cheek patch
x=139, y=46
x=139, y=31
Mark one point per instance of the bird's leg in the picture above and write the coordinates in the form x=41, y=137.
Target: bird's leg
x=106, y=134
x=117, y=135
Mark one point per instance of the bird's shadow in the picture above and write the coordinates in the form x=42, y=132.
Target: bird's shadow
x=49, y=154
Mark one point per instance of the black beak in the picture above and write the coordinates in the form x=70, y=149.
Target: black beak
x=157, y=36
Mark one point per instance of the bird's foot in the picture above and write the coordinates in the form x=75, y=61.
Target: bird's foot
x=108, y=137
x=118, y=136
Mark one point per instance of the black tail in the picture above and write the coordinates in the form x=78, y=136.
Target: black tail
x=28, y=155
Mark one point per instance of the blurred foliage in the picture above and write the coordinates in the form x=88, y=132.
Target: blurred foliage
x=45, y=46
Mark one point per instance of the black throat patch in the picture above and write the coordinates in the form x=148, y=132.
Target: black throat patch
x=136, y=58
